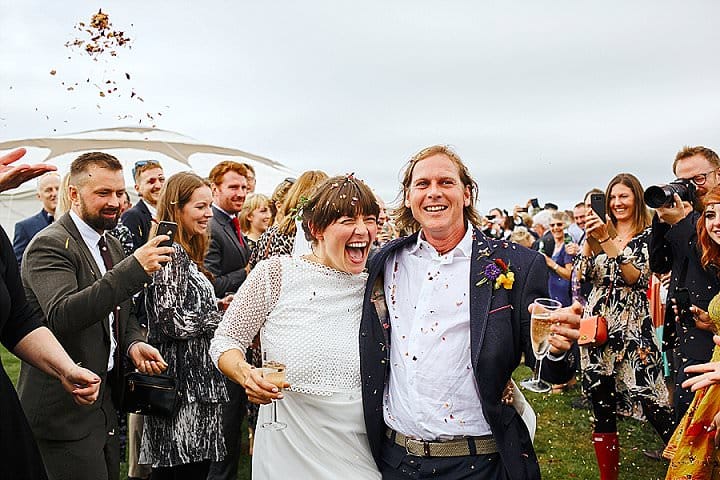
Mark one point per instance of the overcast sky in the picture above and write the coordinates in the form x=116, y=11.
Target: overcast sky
x=541, y=98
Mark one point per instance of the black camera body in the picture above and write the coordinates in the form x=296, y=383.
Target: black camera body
x=662, y=195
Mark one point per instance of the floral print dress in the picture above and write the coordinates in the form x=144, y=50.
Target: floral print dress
x=631, y=354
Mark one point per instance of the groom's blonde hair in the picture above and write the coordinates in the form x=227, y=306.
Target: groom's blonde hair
x=403, y=215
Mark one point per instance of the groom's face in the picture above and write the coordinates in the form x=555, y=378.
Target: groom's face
x=437, y=196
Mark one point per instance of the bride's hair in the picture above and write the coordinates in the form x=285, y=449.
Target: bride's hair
x=334, y=198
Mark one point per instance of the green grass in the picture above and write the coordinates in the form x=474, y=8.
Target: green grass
x=562, y=441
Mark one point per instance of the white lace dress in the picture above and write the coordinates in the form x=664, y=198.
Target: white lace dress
x=308, y=316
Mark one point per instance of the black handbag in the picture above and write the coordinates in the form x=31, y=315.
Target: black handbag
x=155, y=395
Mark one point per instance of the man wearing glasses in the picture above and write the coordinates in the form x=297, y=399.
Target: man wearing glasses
x=149, y=179
x=673, y=248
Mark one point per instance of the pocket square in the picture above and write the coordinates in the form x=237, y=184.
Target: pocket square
x=499, y=309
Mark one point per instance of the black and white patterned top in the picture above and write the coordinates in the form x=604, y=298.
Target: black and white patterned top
x=182, y=317
x=271, y=244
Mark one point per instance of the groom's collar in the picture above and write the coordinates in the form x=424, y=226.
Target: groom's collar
x=463, y=248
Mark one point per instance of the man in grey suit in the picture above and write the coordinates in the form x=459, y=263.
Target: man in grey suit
x=227, y=260
x=77, y=277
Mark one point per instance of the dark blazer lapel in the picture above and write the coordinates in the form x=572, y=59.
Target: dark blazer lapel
x=480, y=296
x=69, y=225
x=228, y=228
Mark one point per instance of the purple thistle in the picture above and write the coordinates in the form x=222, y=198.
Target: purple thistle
x=492, y=271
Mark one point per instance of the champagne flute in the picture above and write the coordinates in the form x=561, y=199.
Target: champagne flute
x=540, y=324
x=274, y=372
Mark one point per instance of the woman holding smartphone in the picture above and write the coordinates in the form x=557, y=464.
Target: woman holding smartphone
x=182, y=314
x=628, y=367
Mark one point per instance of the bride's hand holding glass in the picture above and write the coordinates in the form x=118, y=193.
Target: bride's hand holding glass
x=258, y=389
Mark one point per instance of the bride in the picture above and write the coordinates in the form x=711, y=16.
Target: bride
x=308, y=310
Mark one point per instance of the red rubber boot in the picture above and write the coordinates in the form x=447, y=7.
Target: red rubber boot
x=607, y=452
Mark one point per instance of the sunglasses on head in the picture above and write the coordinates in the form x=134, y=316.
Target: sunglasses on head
x=142, y=163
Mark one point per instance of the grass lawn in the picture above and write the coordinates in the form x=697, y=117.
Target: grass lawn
x=562, y=441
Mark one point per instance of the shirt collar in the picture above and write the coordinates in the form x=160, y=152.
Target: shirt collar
x=151, y=209
x=223, y=211
x=89, y=235
x=462, y=249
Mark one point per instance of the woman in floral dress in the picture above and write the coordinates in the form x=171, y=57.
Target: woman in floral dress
x=628, y=367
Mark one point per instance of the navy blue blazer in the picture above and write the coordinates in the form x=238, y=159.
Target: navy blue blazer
x=498, y=336
x=138, y=219
x=26, y=229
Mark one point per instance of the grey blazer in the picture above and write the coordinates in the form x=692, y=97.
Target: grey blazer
x=62, y=280
x=226, y=258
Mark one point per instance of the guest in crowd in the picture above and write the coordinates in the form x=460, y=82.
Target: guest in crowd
x=560, y=263
x=22, y=333
x=521, y=236
x=692, y=450
x=149, y=179
x=227, y=260
x=307, y=310
x=250, y=177
x=228, y=253
x=126, y=203
x=255, y=218
x=577, y=228
x=541, y=226
x=47, y=192
x=278, y=197
x=673, y=248
x=628, y=367
x=82, y=282
x=182, y=316
x=433, y=403
x=280, y=239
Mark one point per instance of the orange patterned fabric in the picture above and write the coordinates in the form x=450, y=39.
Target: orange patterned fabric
x=691, y=449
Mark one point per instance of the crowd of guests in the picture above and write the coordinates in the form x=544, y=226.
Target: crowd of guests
x=398, y=330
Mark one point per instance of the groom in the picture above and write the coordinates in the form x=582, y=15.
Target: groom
x=445, y=322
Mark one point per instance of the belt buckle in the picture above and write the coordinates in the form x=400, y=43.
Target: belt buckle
x=425, y=445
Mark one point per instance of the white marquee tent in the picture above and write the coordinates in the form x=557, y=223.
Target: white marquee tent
x=175, y=151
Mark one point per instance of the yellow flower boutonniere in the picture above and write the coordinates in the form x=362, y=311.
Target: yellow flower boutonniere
x=498, y=272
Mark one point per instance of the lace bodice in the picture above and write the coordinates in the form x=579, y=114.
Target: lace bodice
x=308, y=316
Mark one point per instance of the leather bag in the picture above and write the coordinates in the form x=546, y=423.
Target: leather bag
x=155, y=395
x=593, y=331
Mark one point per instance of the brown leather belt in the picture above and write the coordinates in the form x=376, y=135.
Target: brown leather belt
x=452, y=448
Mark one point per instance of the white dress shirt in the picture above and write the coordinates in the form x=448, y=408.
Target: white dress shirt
x=151, y=209
x=431, y=393
x=91, y=239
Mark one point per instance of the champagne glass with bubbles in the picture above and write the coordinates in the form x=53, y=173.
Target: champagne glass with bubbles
x=274, y=372
x=540, y=324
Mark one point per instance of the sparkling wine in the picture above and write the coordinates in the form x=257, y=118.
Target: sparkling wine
x=540, y=332
x=274, y=372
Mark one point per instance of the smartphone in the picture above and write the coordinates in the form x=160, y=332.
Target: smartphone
x=683, y=304
x=568, y=239
x=597, y=203
x=534, y=202
x=169, y=229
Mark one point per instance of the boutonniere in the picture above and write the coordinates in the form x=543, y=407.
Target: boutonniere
x=499, y=273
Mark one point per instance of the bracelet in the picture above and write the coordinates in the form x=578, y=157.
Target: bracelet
x=603, y=241
x=555, y=268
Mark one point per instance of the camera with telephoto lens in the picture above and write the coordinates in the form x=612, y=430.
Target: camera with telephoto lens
x=663, y=195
